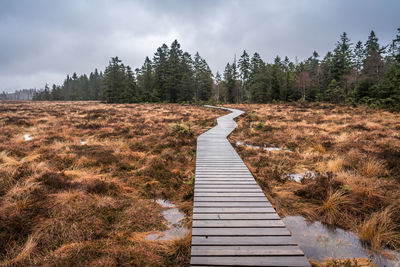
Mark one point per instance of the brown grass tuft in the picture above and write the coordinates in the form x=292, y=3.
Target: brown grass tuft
x=380, y=230
x=331, y=209
x=372, y=168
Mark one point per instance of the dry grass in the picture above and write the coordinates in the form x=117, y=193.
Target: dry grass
x=357, y=262
x=380, y=229
x=354, y=151
x=81, y=192
x=331, y=209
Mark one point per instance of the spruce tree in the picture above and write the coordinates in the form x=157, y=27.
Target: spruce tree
x=114, y=81
x=244, y=74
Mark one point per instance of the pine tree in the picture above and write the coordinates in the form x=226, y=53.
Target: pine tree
x=342, y=58
x=229, y=83
x=114, y=81
x=145, y=81
x=373, y=63
x=174, y=75
x=202, y=79
x=244, y=74
x=186, y=84
x=359, y=55
x=277, y=79
x=260, y=89
x=160, y=62
x=130, y=93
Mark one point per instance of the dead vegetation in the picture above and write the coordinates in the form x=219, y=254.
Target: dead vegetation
x=353, y=153
x=82, y=191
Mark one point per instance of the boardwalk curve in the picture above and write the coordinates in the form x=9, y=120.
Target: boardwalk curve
x=234, y=224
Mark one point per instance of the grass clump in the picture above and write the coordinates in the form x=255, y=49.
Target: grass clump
x=380, y=230
x=372, y=168
x=332, y=208
x=180, y=129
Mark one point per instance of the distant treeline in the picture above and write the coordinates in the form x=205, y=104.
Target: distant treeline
x=350, y=74
x=24, y=94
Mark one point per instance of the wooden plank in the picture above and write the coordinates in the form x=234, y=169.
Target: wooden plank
x=246, y=251
x=241, y=204
x=232, y=190
x=251, y=261
x=229, y=179
x=224, y=182
x=242, y=240
x=235, y=216
x=201, y=194
x=229, y=199
x=228, y=186
x=232, y=210
x=238, y=223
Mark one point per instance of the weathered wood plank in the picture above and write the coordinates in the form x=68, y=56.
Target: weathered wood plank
x=201, y=194
x=232, y=210
x=246, y=251
x=224, y=182
x=251, y=261
x=231, y=190
x=235, y=216
x=218, y=198
x=238, y=223
x=237, y=204
x=228, y=186
x=242, y=240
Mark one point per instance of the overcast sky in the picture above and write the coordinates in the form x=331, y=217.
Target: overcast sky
x=44, y=40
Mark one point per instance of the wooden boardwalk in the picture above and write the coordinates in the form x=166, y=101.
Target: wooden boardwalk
x=234, y=224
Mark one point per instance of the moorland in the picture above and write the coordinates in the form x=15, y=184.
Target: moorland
x=346, y=160
x=79, y=181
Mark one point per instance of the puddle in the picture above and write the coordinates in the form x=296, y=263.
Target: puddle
x=298, y=176
x=174, y=218
x=271, y=148
x=27, y=137
x=320, y=243
x=83, y=142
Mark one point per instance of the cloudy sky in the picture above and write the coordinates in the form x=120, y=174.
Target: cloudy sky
x=44, y=40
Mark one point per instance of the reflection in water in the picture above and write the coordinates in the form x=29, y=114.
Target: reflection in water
x=320, y=243
x=270, y=148
x=174, y=218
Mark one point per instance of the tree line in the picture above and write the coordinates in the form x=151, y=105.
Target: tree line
x=171, y=76
x=361, y=73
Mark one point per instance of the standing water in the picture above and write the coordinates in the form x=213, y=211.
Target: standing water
x=266, y=148
x=320, y=243
x=174, y=219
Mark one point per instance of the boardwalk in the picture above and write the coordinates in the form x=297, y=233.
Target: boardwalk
x=233, y=222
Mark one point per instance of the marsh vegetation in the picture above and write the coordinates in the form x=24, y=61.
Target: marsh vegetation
x=352, y=153
x=81, y=189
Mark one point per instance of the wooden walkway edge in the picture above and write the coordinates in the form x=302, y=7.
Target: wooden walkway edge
x=234, y=224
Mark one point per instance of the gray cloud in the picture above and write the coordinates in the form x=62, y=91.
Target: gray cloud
x=43, y=40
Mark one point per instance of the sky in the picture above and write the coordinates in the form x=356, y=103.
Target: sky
x=42, y=41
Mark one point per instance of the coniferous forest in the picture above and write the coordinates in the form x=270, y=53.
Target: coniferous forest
x=353, y=73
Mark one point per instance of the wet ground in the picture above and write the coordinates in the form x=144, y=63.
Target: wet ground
x=27, y=137
x=174, y=219
x=266, y=148
x=320, y=243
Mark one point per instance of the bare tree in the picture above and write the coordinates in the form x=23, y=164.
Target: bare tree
x=303, y=84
